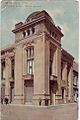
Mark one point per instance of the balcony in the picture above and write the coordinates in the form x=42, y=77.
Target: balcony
x=63, y=83
x=53, y=78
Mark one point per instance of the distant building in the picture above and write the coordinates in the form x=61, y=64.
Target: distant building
x=36, y=69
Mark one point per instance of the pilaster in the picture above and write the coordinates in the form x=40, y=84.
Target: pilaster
x=24, y=61
x=58, y=72
x=70, y=80
x=64, y=79
x=54, y=64
x=19, y=89
x=41, y=71
x=8, y=76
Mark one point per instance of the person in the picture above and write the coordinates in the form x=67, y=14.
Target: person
x=6, y=100
x=1, y=100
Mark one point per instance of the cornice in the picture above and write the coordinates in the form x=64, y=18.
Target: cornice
x=39, y=19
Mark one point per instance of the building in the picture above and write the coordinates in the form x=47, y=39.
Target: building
x=75, y=81
x=35, y=69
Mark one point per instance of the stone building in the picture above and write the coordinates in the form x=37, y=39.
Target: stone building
x=75, y=81
x=35, y=69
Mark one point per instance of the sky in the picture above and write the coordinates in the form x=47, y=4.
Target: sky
x=64, y=13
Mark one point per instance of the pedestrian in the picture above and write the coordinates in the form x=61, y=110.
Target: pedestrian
x=1, y=100
x=6, y=100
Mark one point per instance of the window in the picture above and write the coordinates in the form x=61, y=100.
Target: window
x=12, y=68
x=75, y=80
x=30, y=52
x=30, y=60
x=3, y=71
x=53, y=34
x=24, y=34
x=62, y=93
x=30, y=66
x=33, y=30
x=50, y=32
x=50, y=68
x=28, y=32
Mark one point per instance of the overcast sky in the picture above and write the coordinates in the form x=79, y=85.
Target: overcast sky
x=64, y=14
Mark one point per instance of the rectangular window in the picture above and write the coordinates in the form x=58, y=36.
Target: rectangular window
x=30, y=60
x=30, y=66
x=12, y=68
x=50, y=68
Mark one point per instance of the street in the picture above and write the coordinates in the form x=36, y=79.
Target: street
x=23, y=112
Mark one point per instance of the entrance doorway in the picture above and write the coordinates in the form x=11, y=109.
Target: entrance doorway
x=53, y=89
x=11, y=91
x=62, y=95
x=28, y=91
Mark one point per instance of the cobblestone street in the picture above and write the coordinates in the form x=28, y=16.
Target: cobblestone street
x=23, y=112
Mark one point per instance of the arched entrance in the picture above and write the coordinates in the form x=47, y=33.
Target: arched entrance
x=11, y=91
x=53, y=89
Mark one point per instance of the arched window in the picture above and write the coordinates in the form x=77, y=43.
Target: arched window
x=33, y=30
x=28, y=32
x=24, y=34
x=53, y=34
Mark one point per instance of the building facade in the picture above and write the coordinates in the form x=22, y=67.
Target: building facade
x=75, y=81
x=35, y=69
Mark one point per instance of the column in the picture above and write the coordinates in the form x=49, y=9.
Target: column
x=41, y=71
x=64, y=72
x=7, y=76
x=19, y=83
x=70, y=80
x=54, y=64
x=53, y=98
x=24, y=61
x=58, y=72
x=64, y=78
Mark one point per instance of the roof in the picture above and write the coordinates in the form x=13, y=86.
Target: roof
x=37, y=14
x=8, y=47
x=32, y=15
x=68, y=55
x=75, y=66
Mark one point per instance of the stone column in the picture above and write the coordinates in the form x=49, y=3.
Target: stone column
x=41, y=71
x=19, y=84
x=64, y=72
x=7, y=76
x=55, y=72
x=24, y=61
x=54, y=67
x=58, y=72
x=55, y=63
x=53, y=98
x=70, y=80
x=64, y=77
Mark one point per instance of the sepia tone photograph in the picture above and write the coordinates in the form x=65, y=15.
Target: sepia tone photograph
x=39, y=60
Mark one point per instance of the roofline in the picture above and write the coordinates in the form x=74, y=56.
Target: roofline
x=39, y=19
x=67, y=53
x=8, y=47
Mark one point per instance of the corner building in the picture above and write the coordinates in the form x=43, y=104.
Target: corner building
x=36, y=70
